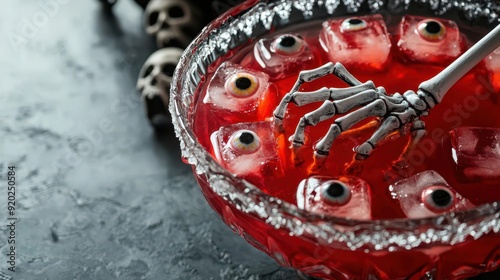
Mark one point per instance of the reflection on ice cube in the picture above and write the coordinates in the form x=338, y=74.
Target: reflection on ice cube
x=357, y=41
x=429, y=40
x=476, y=151
x=237, y=90
x=346, y=197
x=427, y=194
x=283, y=55
x=492, y=63
x=248, y=150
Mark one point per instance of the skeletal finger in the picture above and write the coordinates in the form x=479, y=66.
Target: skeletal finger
x=324, y=145
x=300, y=98
x=375, y=109
x=417, y=133
x=326, y=111
x=279, y=112
x=313, y=74
x=388, y=126
x=304, y=98
x=340, y=71
x=369, y=126
x=359, y=99
x=341, y=93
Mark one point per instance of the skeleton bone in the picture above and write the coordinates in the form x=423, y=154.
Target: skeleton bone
x=396, y=111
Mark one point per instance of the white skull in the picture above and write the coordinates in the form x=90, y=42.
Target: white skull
x=176, y=20
x=154, y=83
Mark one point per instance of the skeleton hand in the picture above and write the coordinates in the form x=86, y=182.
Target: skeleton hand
x=395, y=111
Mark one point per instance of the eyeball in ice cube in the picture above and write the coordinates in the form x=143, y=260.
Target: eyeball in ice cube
x=242, y=84
x=249, y=150
x=427, y=194
x=347, y=197
x=335, y=192
x=283, y=55
x=288, y=45
x=240, y=93
x=245, y=141
x=438, y=199
x=357, y=42
x=353, y=24
x=431, y=30
x=429, y=40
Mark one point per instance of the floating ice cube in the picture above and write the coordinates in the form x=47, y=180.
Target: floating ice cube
x=493, y=66
x=346, y=197
x=283, y=55
x=427, y=194
x=248, y=149
x=237, y=90
x=429, y=40
x=357, y=41
x=476, y=151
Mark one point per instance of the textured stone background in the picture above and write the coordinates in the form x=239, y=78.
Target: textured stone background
x=99, y=195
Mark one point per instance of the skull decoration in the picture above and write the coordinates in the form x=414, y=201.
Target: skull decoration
x=174, y=22
x=154, y=84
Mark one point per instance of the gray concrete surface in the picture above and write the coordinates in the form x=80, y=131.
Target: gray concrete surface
x=99, y=195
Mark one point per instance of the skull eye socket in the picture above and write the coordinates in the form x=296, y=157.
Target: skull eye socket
x=431, y=30
x=353, y=24
x=245, y=141
x=336, y=192
x=168, y=69
x=153, y=18
x=176, y=12
x=438, y=199
x=242, y=85
x=288, y=45
x=148, y=71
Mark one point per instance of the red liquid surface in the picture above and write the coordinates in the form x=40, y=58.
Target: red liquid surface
x=473, y=101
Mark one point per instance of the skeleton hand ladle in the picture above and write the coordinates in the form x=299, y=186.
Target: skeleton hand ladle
x=396, y=111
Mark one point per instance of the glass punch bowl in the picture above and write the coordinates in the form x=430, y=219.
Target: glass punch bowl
x=319, y=246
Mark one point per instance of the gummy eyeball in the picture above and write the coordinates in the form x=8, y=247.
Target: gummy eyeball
x=431, y=30
x=438, y=198
x=245, y=141
x=353, y=24
x=336, y=192
x=288, y=45
x=242, y=85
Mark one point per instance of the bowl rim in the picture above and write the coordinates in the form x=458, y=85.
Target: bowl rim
x=384, y=234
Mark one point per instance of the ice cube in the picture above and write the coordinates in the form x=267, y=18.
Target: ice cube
x=357, y=41
x=346, y=197
x=492, y=63
x=238, y=91
x=248, y=150
x=476, y=151
x=427, y=194
x=283, y=55
x=429, y=40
